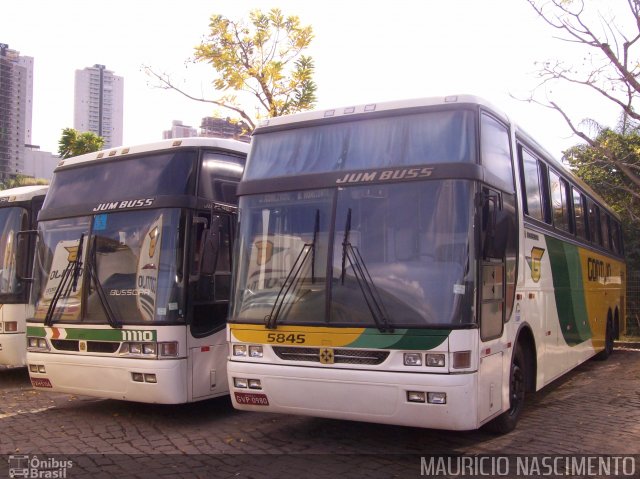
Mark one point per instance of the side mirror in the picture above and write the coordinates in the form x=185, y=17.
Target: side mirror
x=23, y=263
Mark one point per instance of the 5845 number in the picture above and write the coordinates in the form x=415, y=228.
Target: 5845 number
x=286, y=338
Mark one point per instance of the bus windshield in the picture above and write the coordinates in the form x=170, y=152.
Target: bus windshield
x=130, y=269
x=422, y=138
x=11, y=222
x=396, y=255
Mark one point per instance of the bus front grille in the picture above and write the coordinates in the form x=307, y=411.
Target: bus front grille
x=92, y=346
x=340, y=355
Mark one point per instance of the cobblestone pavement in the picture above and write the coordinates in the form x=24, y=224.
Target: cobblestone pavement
x=593, y=410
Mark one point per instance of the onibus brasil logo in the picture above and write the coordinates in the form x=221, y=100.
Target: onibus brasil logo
x=23, y=465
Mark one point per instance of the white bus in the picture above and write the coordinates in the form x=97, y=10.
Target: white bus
x=18, y=214
x=421, y=263
x=132, y=272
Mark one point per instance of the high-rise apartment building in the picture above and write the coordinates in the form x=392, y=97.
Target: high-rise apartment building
x=16, y=108
x=99, y=103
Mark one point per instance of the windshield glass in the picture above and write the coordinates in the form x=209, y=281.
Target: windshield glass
x=422, y=138
x=133, y=257
x=283, y=252
x=401, y=256
x=12, y=220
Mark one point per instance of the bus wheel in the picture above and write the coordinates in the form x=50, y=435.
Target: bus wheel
x=506, y=422
x=608, y=341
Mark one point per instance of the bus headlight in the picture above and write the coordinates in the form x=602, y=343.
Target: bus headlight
x=412, y=359
x=255, y=351
x=240, y=350
x=435, y=360
x=149, y=348
x=37, y=344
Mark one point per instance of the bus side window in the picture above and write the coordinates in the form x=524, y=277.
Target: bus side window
x=594, y=223
x=559, y=202
x=578, y=214
x=531, y=185
x=604, y=223
x=496, y=149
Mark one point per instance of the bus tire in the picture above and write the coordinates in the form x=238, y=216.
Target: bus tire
x=506, y=422
x=608, y=341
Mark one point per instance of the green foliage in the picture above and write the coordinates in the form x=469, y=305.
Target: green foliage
x=263, y=58
x=74, y=143
x=605, y=176
x=22, y=180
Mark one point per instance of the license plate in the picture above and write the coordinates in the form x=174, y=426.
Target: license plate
x=41, y=383
x=252, y=399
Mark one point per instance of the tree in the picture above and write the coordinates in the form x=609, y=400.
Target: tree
x=22, y=180
x=610, y=68
x=613, y=185
x=262, y=59
x=74, y=143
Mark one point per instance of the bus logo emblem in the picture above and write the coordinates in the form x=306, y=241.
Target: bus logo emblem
x=326, y=356
x=535, y=263
x=265, y=252
x=82, y=346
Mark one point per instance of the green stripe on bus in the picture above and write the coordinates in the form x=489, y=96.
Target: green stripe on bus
x=568, y=287
x=36, y=331
x=416, y=339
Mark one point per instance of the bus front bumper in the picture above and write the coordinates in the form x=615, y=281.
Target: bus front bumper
x=359, y=395
x=163, y=381
x=13, y=349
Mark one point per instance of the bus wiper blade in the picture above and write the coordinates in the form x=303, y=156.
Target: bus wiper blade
x=92, y=268
x=370, y=292
x=293, y=277
x=66, y=284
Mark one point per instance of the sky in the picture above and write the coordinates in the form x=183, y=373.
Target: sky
x=364, y=52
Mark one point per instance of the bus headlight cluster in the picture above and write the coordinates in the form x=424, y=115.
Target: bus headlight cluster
x=244, y=383
x=37, y=368
x=37, y=344
x=431, y=398
x=149, y=350
x=430, y=359
x=247, y=350
x=144, y=378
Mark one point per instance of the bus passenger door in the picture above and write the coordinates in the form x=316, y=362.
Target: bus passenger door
x=209, y=290
x=492, y=306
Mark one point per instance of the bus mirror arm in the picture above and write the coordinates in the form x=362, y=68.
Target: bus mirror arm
x=22, y=254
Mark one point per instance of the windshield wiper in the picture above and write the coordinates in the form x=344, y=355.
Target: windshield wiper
x=68, y=283
x=92, y=268
x=365, y=281
x=293, y=277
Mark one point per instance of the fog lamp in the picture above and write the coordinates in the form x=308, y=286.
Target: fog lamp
x=437, y=398
x=240, y=383
x=416, y=396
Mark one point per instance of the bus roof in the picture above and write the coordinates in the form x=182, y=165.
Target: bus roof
x=111, y=153
x=333, y=114
x=23, y=193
